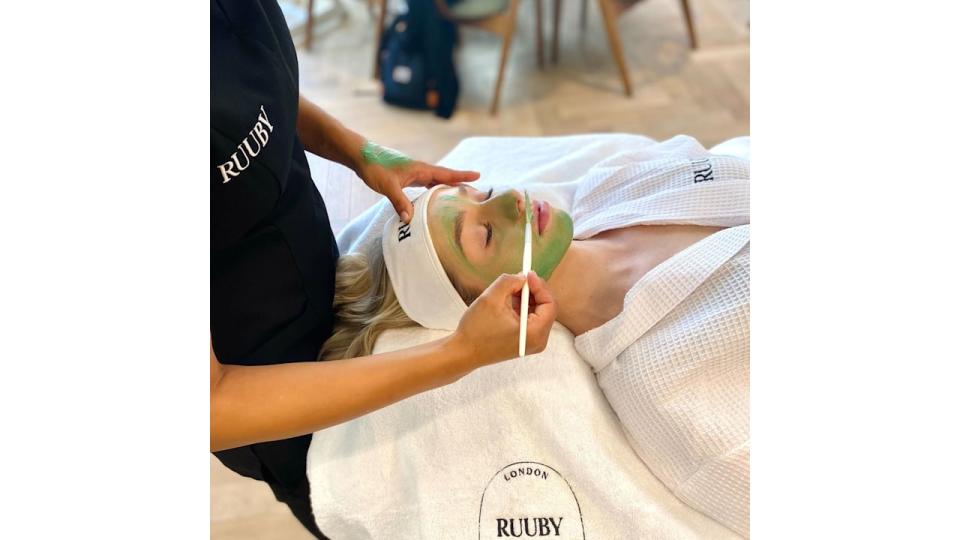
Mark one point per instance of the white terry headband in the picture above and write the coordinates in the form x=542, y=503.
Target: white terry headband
x=422, y=287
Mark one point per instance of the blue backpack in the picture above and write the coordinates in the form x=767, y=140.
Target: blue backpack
x=416, y=60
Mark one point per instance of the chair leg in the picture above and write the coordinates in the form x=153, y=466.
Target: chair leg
x=381, y=18
x=583, y=15
x=309, y=24
x=613, y=35
x=689, y=20
x=556, y=30
x=539, y=7
x=511, y=24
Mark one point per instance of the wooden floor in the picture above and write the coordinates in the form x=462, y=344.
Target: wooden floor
x=703, y=93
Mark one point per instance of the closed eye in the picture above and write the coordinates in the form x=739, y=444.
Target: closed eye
x=462, y=190
x=489, y=233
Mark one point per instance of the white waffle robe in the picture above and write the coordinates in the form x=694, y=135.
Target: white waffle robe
x=674, y=364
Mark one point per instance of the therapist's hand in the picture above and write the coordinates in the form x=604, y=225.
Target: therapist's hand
x=385, y=170
x=390, y=181
x=490, y=329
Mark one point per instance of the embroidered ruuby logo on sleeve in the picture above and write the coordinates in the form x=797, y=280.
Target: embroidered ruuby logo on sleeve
x=258, y=136
x=702, y=170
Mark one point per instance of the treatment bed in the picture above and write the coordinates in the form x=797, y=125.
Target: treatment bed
x=523, y=448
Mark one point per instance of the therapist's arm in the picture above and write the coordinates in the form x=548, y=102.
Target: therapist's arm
x=325, y=136
x=250, y=404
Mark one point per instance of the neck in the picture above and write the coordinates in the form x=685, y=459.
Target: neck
x=595, y=274
x=578, y=282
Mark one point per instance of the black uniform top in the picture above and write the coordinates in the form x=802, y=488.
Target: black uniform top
x=272, y=252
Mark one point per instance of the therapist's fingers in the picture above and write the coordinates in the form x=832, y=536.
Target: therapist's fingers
x=489, y=331
x=541, y=317
x=541, y=296
x=431, y=175
x=399, y=200
x=505, y=287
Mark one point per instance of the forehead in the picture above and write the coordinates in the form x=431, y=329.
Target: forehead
x=443, y=206
x=449, y=194
x=445, y=217
x=445, y=203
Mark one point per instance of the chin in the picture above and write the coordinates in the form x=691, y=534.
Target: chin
x=546, y=272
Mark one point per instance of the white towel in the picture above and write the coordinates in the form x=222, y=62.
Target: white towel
x=521, y=439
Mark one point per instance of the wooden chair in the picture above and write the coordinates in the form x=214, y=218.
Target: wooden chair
x=336, y=10
x=611, y=11
x=496, y=16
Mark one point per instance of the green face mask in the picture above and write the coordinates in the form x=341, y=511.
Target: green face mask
x=479, y=235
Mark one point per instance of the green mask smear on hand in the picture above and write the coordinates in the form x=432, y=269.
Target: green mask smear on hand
x=372, y=152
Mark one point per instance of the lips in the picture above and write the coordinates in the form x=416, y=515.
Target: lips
x=541, y=212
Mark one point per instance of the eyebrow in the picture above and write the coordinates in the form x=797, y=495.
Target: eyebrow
x=458, y=230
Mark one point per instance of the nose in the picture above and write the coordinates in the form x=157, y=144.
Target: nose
x=520, y=203
x=498, y=202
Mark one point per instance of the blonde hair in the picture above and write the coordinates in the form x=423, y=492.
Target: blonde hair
x=364, y=305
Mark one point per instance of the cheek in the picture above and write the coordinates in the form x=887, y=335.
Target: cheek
x=511, y=250
x=500, y=264
x=508, y=258
x=552, y=247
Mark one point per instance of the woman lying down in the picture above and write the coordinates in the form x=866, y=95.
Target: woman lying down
x=650, y=272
